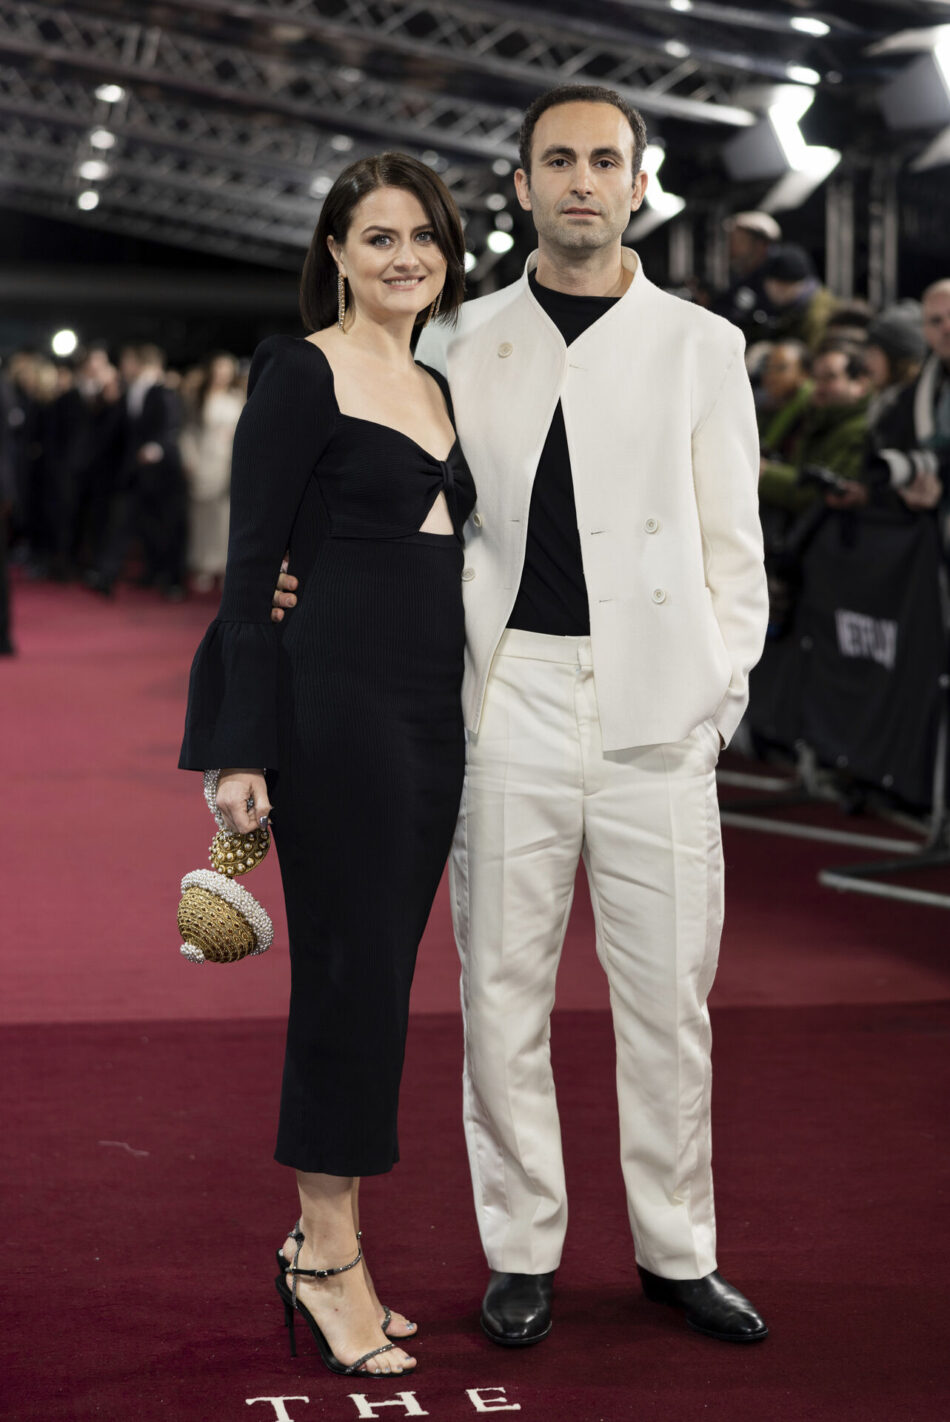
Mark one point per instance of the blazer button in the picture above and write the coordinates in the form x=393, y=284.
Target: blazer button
x=505, y=349
x=652, y=525
x=477, y=519
x=659, y=594
x=468, y=574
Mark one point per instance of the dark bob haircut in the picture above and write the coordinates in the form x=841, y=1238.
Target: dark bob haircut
x=318, y=283
x=581, y=94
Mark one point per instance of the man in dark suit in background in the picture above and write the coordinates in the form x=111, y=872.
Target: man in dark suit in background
x=151, y=502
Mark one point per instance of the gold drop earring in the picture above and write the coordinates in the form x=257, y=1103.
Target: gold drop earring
x=341, y=299
x=434, y=309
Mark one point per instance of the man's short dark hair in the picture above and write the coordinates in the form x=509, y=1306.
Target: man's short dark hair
x=798, y=349
x=581, y=94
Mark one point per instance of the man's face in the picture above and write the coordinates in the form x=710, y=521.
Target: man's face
x=782, y=374
x=833, y=384
x=936, y=310
x=581, y=190
x=747, y=250
x=130, y=367
x=96, y=369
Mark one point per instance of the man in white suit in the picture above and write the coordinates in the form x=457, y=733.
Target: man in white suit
x=615, y=602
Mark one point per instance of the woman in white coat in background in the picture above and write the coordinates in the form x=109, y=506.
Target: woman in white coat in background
x=206, y=444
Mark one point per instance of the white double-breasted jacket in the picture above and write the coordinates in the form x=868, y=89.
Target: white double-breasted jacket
x=664, y=455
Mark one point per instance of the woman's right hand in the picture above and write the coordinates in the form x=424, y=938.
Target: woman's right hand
x=283, y=593
x=237, y=789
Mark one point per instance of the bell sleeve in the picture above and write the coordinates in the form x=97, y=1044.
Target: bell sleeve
x=284, y=428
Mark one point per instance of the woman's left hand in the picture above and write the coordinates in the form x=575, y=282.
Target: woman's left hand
x=243, y=800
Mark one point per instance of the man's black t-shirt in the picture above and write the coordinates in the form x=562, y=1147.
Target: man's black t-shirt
x=552, y=597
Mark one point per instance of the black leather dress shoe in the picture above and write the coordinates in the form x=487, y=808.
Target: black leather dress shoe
x=516, y=1309
x=712, y=1306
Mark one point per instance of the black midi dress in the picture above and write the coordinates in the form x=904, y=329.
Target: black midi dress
x=353, y=706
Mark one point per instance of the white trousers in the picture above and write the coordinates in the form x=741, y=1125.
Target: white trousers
x=540, y=791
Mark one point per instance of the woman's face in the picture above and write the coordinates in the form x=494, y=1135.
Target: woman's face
x=223, y=371
x=392, y=265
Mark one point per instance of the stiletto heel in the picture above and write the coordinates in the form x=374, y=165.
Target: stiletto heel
x=289, y=1323
x=292, y=1304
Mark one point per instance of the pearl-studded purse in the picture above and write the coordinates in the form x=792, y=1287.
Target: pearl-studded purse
x=218, y=919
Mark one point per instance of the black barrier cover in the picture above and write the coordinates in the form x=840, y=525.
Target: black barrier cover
x=858, y=676
x=876, y=646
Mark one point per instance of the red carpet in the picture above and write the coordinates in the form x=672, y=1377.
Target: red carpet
x=140, y=1101
x=139, y=1183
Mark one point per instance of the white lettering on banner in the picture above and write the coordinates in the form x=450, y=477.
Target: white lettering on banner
x=364, y=1407
x=491, y=1404
x=873, y=638
x=280, y=1412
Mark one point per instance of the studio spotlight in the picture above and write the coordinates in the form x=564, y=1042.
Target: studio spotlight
x=102, y=139
x=500, y=242
x=110, y=93
x=658, y=206
x=919, y=97
x=776, y=148
x=93, y=170
x=801, y=74
x=805, y=25
x=64, y=343
x=88, y=200
x=470, y=261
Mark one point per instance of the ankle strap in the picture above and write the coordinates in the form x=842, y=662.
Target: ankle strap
x=297, y=1235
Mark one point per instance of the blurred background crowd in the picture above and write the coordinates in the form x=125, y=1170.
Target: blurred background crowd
x=115, y=465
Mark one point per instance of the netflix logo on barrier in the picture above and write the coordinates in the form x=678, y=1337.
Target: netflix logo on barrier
x=873, y=638
x=482, y=1399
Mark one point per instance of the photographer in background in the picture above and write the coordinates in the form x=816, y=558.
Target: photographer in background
x=912, y=445
x=831, y=451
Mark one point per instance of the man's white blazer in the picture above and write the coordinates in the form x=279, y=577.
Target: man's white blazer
x=664, y=454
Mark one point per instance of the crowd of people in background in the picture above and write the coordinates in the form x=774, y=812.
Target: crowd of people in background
x=113, y=470
x=110, y=470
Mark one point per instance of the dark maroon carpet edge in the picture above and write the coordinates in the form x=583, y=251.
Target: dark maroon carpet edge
x=142, y=1208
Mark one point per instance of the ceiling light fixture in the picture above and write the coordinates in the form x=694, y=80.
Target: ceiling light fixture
x=93, y=170
x=805, y=25
x=801, y=74
x=64, y=343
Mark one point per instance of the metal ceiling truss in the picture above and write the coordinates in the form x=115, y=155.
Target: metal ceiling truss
x=37, y=168
x=236, y=143
x=316, y=91
x=516, y=42
x=141, y=168
x=25, y=190
x=219, y=141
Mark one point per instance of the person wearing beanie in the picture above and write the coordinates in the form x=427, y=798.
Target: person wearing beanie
x=895, y=349
x=801, y=305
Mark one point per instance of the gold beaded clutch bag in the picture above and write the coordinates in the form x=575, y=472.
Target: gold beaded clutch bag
x=218, y=919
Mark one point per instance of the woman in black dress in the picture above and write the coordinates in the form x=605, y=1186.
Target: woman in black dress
x=346, y=455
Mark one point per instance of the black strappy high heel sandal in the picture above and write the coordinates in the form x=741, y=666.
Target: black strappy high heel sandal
x=283, y=1265
x=293, y=1306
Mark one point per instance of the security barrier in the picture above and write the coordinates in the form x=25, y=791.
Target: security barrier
x=858, y=686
